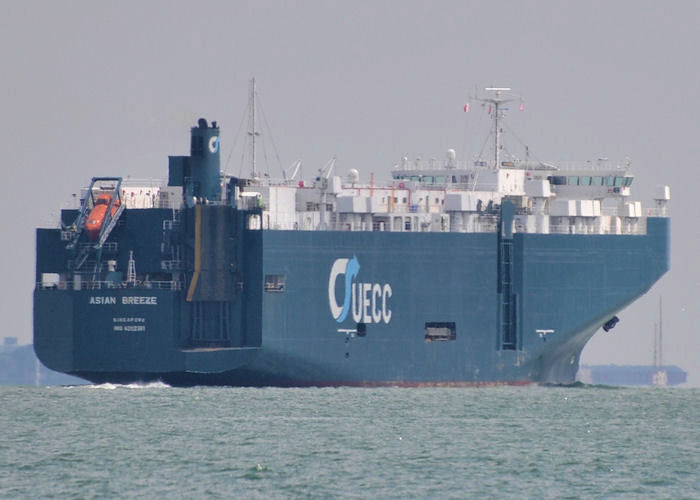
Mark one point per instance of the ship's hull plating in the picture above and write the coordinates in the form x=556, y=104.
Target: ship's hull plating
x=302, y=331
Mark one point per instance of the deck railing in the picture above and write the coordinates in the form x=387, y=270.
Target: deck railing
x=110, y=285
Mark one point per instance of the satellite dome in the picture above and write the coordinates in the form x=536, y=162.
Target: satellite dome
x=353, y=175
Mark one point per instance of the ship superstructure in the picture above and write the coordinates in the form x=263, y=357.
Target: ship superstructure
x=496, y=270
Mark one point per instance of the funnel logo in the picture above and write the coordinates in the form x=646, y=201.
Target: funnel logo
x=214, y=144
x=368, y=302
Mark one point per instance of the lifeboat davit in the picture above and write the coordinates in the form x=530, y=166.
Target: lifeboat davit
x=94, y=222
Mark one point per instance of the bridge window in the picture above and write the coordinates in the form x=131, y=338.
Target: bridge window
x=597, y=181
x=609, y=180
x=557, y=180
x=440, y=331
x=619, y=181
x=585, y=180
x=573, y=180
x=628, y=181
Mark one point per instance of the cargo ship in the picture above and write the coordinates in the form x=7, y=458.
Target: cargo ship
x=496, y=270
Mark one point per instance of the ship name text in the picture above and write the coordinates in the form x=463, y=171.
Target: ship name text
x=126, y=300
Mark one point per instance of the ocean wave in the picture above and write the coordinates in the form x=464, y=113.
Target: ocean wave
x=136, y=385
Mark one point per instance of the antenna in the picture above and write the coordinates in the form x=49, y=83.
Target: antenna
x=496, y=101
x=251, y=126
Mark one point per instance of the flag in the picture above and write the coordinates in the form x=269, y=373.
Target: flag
x=466, y=108
x=522, y=107
x=489, y=109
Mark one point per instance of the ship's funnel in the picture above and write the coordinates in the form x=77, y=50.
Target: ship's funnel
x=198, y=173
x=204, y=161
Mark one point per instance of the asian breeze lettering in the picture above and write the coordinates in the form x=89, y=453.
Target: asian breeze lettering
x=368, y=302
x=126, y=300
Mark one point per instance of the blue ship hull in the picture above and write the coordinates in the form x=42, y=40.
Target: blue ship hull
x=317, y=308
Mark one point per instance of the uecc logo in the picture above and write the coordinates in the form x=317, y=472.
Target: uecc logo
x=368, y=302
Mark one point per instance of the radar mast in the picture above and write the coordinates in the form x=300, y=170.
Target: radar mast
x=496, y=100
x=252, y=132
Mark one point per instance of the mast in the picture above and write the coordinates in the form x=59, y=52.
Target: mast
x=252, y=133
x=496, y=132
x=496, y=101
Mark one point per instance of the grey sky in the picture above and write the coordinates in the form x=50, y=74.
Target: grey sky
x=111, y=88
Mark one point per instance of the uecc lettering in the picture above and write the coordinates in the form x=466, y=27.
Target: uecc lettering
x=368, y=302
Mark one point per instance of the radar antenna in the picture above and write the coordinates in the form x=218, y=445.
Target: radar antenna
x=496, y=100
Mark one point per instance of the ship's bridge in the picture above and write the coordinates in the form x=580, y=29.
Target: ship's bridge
x=590, y=184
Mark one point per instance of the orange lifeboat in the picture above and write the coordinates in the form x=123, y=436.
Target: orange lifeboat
x=94, y=222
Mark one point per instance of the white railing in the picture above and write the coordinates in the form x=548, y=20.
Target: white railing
x=592, y=165
x=416, y=165
x=419, y=164
x=646, y=212
x=110, y=285
x=109, y=246
x=170, y=224
x=129, y=182
x=608, y=223
x=655, y=212
x=638, y=227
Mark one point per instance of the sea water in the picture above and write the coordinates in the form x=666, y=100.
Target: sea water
x=517, y=442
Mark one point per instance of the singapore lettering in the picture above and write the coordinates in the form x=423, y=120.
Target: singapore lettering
x=368, y=302
x=123, y=324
